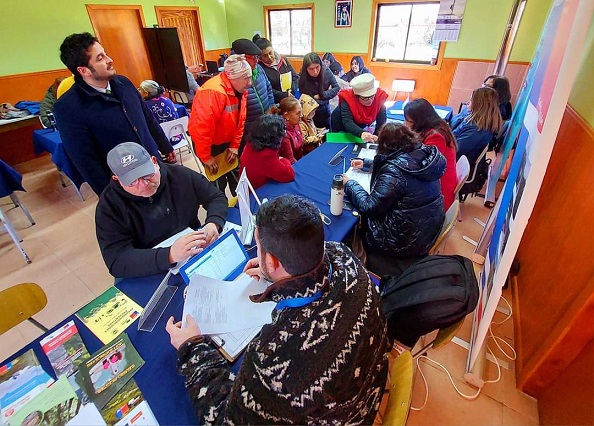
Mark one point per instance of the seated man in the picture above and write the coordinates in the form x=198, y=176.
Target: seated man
x=322, y=359
x=147, y=202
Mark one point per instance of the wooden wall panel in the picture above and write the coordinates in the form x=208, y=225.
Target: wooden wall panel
x=214, y=54
x=28, y=87
x=554, y=297
x=187, y=22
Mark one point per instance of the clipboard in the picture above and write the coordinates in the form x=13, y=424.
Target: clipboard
x=224, y=167
x=286, y=80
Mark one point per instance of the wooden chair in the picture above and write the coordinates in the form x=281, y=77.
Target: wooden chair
x=444, y=335
x=176, y=127
x=448, y=225
x=401, y=386
x=19, y=303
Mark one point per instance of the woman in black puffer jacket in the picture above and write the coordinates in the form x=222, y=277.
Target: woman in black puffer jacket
x=403, y=214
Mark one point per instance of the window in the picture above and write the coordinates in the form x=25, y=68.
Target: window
x=404, y=33
x=290, y=29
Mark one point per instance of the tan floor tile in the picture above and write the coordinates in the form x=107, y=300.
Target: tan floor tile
x=10, y=342
x=507, y=393
x=75, y=254
x=513, y=418
x=30, y=331
x=95, y=276
x=11, y=259
x=71, y=229
x=44, y=271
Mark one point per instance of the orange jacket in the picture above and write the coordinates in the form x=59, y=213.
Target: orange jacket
x=216, y=116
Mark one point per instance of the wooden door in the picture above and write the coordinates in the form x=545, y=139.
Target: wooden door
x=119, y=30
x=187, y=22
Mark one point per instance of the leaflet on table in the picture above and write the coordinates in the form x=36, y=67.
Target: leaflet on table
x=88, y=415
x=224, y=306
x=65, y=349
x=140, y=415
x=56, y=405
x=363, y=178
x=122, y=403
x=20, y=381
x=109, y=314
x=108, y=370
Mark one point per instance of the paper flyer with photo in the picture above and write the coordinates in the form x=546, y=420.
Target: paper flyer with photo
x=108, y=370
x=140, y=415
x=55, y=406
x=20, y=381
x=108, y=315
x=123, y=403
x=65, y=349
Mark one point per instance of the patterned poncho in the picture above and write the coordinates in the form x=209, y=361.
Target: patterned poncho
x=323, y=363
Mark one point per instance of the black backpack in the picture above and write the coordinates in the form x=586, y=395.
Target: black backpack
x=474, y=187
x=434, y=293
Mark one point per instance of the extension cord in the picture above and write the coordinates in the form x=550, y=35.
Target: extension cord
x=474, y=380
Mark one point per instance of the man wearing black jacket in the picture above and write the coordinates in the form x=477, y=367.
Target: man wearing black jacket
x=147, y=202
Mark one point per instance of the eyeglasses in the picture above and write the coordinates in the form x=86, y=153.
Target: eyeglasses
x=146, y=179
x=366, y=98
x=253, y=57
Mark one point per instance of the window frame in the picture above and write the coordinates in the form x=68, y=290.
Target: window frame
x=281, y=7
x=393, y=63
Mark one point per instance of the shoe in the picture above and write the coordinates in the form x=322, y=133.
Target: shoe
x=489, y=204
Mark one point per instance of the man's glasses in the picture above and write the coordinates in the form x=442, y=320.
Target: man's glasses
x=366, y=98
x=146, y=179
x=253, y=57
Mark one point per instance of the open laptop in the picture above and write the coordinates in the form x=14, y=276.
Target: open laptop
x=212, y=67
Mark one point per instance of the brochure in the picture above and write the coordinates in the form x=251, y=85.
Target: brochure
x=108, y=370
x=55, y=406
x=20, y=380
x=141, y=415
x=123, y=403
x=65, y=349
x=88, y=415
x=109, y=314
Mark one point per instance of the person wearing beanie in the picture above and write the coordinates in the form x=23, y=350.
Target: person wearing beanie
x=147, y=202
x=260, y=97
x=275, y=66
x=218, y=117
x=359, y=107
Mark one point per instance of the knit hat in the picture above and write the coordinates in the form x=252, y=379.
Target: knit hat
x=243, y=46
x=130, y=161
x=364, y=85
x=237, y=67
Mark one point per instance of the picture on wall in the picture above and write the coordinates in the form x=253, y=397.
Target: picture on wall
x=343, y=13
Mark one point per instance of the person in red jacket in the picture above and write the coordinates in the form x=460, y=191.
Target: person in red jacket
x=260, y=157
x=292, y=144
x=420, y=117
x=218, y=117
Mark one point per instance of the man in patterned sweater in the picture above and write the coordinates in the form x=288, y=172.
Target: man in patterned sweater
x=322, y=359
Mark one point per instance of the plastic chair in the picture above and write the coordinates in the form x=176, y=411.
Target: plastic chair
x=444, y=335
x=471, y=178
x=19, y=303
x=176, y=127
x=401, y=386
x=448, y=225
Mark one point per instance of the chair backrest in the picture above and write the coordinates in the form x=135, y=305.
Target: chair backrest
x=445, y=335
x=19, y=303
x=478, y=160
x=462, y=173
x=179, y=97
x=172, y=128
x=448, y=225
x=401, y=386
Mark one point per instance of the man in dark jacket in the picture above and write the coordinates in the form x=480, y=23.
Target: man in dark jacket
x=101, y=110
x=260, y=97
x=147, y=202
x=322, y=360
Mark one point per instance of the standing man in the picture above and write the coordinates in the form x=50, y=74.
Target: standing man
x=101, y=110
x=323, y=358
x=218, y=117
x=260, y=95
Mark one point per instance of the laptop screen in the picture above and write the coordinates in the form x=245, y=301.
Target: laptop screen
x=212, y=67
x=223, y=260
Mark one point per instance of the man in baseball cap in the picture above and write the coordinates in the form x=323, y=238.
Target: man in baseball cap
x=147, y=202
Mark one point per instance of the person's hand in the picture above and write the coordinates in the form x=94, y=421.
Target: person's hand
x=211, y=232
x=367, y=137
x=374, y=138
x=345, y=179
x=171, y=158
x=231, y=155
x=212, y=165
x=187, y=245
x=252, y=268
x=180, y=335
x=290, y=93
x=357, y=163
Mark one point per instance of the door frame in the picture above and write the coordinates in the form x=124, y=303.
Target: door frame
x=196, y=9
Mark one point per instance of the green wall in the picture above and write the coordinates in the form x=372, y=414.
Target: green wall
x=35, y=28
x=480, y=37
x=582, y=93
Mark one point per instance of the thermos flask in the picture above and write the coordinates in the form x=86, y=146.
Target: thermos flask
x=336, y=195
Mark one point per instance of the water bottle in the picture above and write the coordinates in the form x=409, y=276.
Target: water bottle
x=336, y=195
x=52, y=120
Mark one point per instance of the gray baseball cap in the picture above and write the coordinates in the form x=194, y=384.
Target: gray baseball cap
x=130, y=161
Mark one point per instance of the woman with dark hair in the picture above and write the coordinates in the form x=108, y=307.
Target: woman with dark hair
x=328, y=59
x=420, y=116
x=501, y=85
x=274, y=66
x=292, y=144
x=403, y=213
x=260, y=157
x=475, y=128
x=357, y=68
x=317, y=81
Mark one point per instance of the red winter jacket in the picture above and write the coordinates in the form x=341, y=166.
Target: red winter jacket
x=264, y=166
x=292, y=144
x=449, y=178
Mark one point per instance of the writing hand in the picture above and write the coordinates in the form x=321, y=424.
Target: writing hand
x=356, y=163
x=186, y=246
x=252, y=268
x=180, y=335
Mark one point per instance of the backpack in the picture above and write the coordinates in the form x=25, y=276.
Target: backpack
x=434, y=293
x=474, y=187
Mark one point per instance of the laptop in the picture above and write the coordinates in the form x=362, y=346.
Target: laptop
x=223, y=260
x=212, y=67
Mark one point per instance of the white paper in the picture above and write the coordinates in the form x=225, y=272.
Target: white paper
x=442, y=113
x=88, y=415
x=234, y=343
x=396, y=111
x=141, y=415
x=231, y=225
x=224, y=306
x=363, y=178
x=367, y=153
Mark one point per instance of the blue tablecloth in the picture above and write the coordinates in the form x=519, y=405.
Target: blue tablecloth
x=393, y=111
x=10, y=180
x=48, y=140
x=313, y=179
